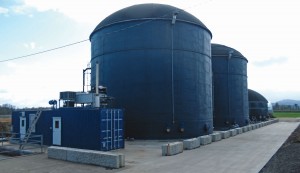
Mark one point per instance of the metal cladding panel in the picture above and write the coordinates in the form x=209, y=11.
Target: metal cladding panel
x=111, y=135
x=42, y=127
x=15, y=121
x=229, y=88
x=258, y=106
x=258, y=110
x=136, y=67
x=80, y=128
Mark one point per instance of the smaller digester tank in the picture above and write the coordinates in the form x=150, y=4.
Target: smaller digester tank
x=230, y=92
x=258, y=106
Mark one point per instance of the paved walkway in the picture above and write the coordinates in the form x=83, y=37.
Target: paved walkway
x=247, y=152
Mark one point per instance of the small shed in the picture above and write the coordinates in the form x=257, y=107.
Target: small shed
x=77, y=127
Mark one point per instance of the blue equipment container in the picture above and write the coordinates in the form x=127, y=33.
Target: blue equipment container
x=258, y=106
x=230, y=90
x=85, y=128
x=156, y=61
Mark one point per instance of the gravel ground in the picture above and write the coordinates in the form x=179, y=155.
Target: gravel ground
x=287, y=158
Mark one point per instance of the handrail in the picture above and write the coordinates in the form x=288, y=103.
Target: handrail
x=34, y=141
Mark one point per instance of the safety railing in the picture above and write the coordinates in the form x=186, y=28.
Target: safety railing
x=12, y=142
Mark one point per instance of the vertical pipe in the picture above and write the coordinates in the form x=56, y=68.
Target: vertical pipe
x=172, y=66
x=172, y=78
x=97, y=78
x=228, y=84
x=83, y=78
x=228, y=90
x=111, y=129
x=97, y=97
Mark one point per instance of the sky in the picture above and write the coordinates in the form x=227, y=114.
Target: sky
x=266, y=32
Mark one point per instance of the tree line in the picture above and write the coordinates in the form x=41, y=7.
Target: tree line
x=6, y=109
x=278, y=107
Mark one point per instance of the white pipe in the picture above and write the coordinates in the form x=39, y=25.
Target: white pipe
x=97, y=79
x=97, y=97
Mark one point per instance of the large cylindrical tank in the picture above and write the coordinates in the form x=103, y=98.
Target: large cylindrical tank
x=155, y=60
x=258, y=106
x=230, y=92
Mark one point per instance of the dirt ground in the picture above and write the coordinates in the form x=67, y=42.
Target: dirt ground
x=287, y=158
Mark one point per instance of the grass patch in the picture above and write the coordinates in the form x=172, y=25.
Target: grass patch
x=287, y=114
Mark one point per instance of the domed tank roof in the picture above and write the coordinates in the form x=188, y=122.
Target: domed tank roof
x=222, y=50
x=149, y=11
x=255, y=96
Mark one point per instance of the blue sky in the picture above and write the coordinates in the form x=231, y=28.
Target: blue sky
x=265, y=32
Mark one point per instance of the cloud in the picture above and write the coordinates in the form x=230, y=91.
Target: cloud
x=30, y=45
x=3, y=91
x=88, y=11
x=271, y=61
x=3, y=10
x=17, y=8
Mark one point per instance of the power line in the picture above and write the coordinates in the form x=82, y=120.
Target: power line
x=113, y=32
x=60, y=47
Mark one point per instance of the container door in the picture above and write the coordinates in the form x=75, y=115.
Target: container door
x=22, y=127
x=56, y=125
x=118, y=129
x=106, y=130
x=111, y=129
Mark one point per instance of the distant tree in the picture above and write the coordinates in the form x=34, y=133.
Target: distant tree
x=276, y=106
x=296, y=106
x=6, y=109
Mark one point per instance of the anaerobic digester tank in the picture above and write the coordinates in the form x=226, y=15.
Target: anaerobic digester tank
x=258, y=106
x=155, y=60
x=230, y=92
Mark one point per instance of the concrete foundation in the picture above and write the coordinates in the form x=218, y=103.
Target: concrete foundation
x=190, y=144
x=104, y=159
x=233, y=132
x=239, y=130
x=57, y=153
x=204, y=140
x=245, y=129
x=225, y=134
x=171, y=149
x=216, y=136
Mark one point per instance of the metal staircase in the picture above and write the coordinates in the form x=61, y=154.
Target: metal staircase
x=29, y=130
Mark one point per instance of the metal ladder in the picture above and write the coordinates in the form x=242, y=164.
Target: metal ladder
x=29, y=130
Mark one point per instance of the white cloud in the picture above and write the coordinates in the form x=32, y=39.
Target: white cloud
x=270, y=61
x=3, y=10
x=93, y=11
x=30, y=45
x=20, y=9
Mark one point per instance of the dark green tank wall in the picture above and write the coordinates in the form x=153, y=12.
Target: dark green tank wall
x=258, y=106
x=229, y=87
x=159, y=72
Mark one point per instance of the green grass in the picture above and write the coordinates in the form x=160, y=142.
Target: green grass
x=287, y=114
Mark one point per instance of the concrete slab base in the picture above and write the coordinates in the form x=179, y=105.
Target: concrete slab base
x=190, y=144
x=216, y=137
x=233, y=132
x=171, y=149
x=225, y=134
x=239, y=130
x=99, y=158
x=204, y=140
